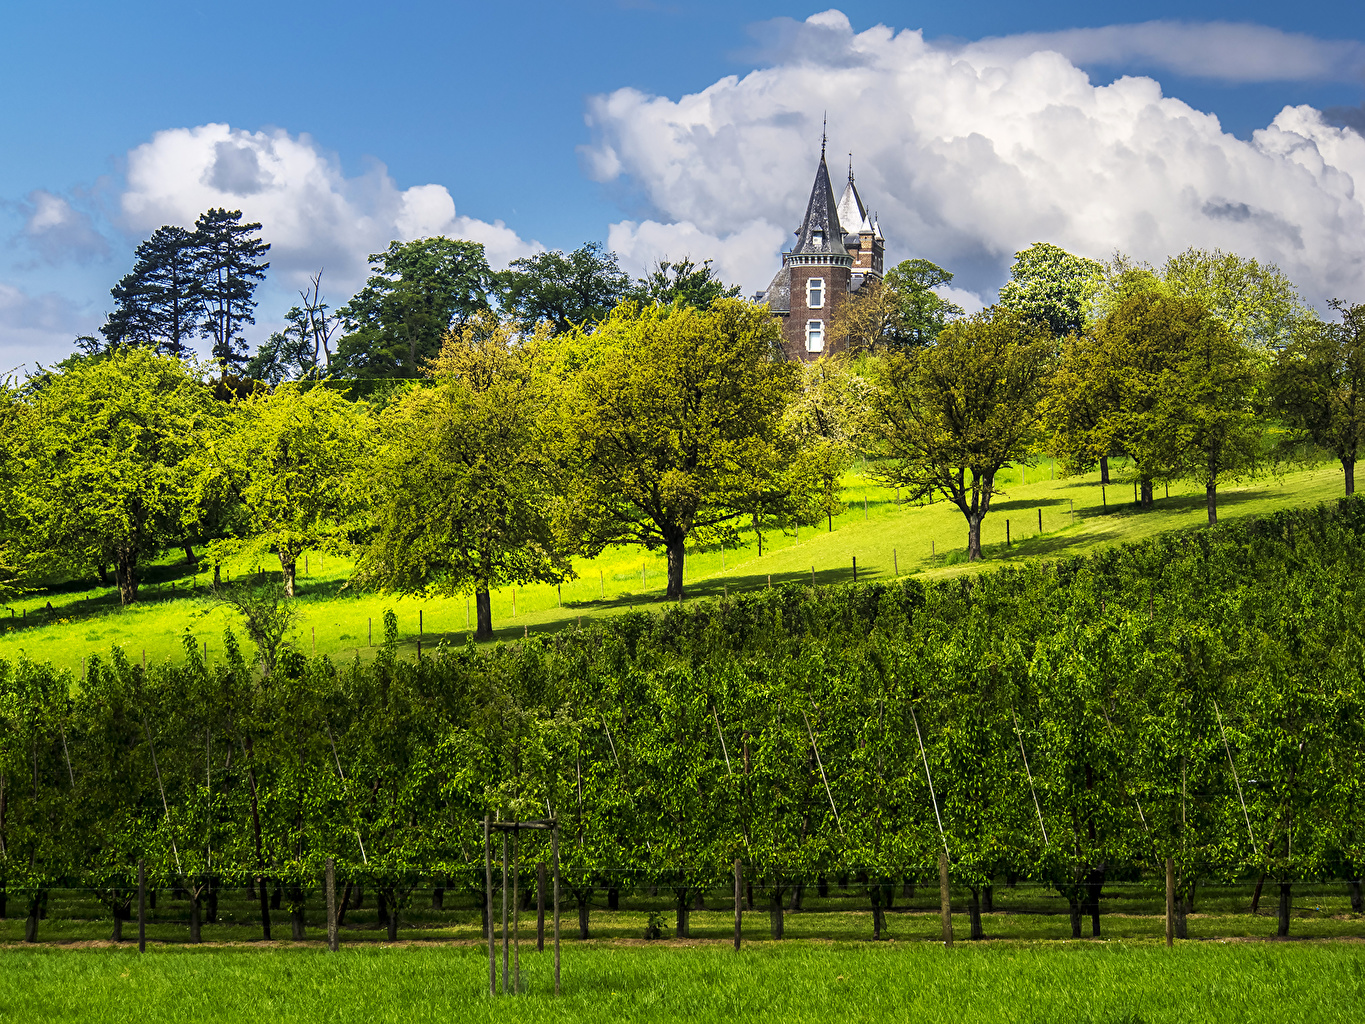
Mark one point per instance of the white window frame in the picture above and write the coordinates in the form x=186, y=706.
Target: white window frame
x=811, y=284
x=817, y=238
x=815, y=335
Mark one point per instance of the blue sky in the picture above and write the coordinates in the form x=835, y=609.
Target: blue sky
x=488, y=102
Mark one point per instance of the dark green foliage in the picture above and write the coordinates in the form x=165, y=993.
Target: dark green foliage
x=564, y=290
x=419, y=292
x=684, y=283
x=1195, y=697
x=229, y=265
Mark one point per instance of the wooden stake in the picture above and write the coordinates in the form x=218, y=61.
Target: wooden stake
x=1040, y=520
x=540, y=907
x=141, y=905
x=488, y=904
x=332, y=936
x=855, y=568
x=1007, y=533
x=895, y=565
x=504, y=913
x=945, y=903
x=370, y=623
x=516, y=912
x=1170, y=902
x=554, y=854
x=739, y=901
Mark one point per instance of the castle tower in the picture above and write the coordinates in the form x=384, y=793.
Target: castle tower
x=838, y=249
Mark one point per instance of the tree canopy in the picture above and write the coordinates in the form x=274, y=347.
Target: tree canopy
x=951, y=416
x=419, y=291
x=563, y=290
x=672, y=416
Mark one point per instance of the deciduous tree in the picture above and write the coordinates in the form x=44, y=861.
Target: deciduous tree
x=673, y=414
x=1318, y=386
x=949, y=417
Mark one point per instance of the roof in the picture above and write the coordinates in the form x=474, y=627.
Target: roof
x=779, y=293
x=821, y=216
x=852, y=212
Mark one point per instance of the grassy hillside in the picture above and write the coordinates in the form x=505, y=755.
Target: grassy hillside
x=886, y=539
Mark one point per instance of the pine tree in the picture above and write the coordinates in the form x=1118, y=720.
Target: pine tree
x=229, y=265
x=175, y=286
x=160, y=303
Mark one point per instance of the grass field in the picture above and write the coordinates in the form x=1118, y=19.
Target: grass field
x=886, y=538
x=1104, y=983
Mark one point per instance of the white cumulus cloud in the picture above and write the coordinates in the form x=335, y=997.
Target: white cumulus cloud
x=311, y=213
x=58, y=232
x=971, y=153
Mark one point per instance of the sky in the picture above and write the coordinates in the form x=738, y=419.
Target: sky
x=669, y=129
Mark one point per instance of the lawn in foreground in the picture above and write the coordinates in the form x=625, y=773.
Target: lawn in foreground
x=1106, y=983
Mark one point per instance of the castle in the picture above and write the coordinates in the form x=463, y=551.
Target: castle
x=838, y=251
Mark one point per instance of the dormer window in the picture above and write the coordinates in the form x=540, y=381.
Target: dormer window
x=815, y=293
x=817, y=238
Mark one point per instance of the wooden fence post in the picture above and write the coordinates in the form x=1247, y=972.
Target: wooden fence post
x=141, y=905
x=944, y=899
x=540, y=907
x=855, y=568
x=333, y=939
x=554, y=855
x=1040, y=520
x=504, y=913
x=739, y=901
x=1170, y=901
x=488, y=904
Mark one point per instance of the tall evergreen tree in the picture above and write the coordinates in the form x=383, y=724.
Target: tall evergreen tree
x=160, y=303
x=230, y=266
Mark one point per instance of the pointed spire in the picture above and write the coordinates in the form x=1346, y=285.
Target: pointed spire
x=850, y=168
x=821, y=232
x=824, y=137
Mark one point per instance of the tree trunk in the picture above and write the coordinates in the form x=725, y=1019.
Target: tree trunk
x=822, y=886
x=798, y=891
x=296, y=922
x=1094, y=887
x=31, y=922
x=1183, y=906
x=1104, y=470
x=275, y=895
x=217, y=575
x=974, y=912
x=1349, y=467
x=775, y=921
x=381, y=908
x=1211, y=495
x=483, y=613
x=346, y=902
x=988, y=899
x=613, y=898
x=1356, y=902
x=125, y=571
x=876, y=913
x=438, y=898
x=1146, y=493
x=189, y=553
x=1073, y=905
x=265, y=908
x=1256, y=895
x=698, y=900
x=102, y=571
x=583, y=917
x=680, y=927
x=117, y=936
x=973, y=538
x=288, y=568
x=194, y=915
x=676, y=549
x=1282, y=926
x=393, y=921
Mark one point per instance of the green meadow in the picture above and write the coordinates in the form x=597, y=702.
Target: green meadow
x=1045, y=517
x=1099, y=982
